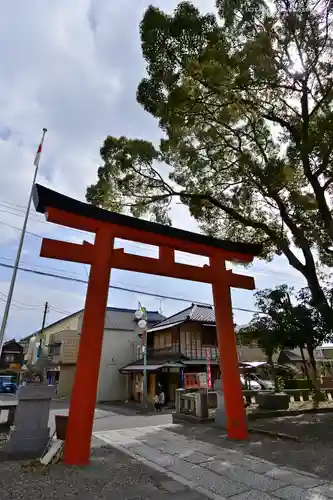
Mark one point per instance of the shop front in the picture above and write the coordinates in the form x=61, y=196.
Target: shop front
x=165, y=377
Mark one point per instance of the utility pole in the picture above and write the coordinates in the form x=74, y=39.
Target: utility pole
x=40, y=357
x=46, y=310
x=19, y=250
x=141, y=316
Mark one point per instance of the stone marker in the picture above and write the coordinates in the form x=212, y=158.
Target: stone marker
x=29, y=435
x=220, y=416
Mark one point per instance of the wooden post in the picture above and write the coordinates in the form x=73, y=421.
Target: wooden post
x=230, y=377
x=82, y=408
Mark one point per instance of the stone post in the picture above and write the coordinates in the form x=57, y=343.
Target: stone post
x=30, y=433
x=179, y=393
x=220, y=416
x=201, y=404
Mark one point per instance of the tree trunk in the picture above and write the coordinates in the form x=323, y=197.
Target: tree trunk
x=304, y=363
x=319, y=300
x=310, y=350
x=272, y=367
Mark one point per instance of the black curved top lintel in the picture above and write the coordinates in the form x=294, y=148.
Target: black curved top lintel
x=45, y=198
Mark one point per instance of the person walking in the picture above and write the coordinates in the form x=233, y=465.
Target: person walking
x=157, y=402
x=161, y=400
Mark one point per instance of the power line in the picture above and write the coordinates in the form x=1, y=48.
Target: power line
x=67, y=271
x=146, y=250
x=120, y=288
x=3, y=298
x=18, y=229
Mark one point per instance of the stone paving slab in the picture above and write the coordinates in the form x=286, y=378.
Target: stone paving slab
x=254, y=495
x=296, y=493
x=294, y=478
x=199, y=476
x=315, y=457
x=216, y=472
x=261, y=482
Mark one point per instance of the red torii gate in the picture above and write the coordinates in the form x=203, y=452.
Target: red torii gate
x=102, y=257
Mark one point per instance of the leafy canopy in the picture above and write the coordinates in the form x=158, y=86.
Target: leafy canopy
x=244, y=100
x=285, y=320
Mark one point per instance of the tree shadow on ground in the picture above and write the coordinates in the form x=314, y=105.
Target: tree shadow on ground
x=312, y=453
x=308, y=427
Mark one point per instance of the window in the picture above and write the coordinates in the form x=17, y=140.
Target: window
x=54, y=349
x=9, y=358
x=209, y=336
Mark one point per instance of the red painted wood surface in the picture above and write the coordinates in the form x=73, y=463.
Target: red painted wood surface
x=102, y=257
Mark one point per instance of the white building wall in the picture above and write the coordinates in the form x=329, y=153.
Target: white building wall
x=119, y=349
x=68, y=323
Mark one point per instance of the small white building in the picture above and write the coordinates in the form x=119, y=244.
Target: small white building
x=120, y=343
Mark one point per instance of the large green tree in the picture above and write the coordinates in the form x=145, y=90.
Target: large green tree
x=265, y=333
x=244, y=100
x=292, y=320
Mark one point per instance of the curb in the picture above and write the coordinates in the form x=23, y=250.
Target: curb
x=287, y=413
x=280, y=435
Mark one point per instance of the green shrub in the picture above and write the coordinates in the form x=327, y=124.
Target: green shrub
x=298, y=383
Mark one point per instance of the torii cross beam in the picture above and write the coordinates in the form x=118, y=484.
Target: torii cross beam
x=102, y=257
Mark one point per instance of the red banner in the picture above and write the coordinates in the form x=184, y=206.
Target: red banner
x=209, y=375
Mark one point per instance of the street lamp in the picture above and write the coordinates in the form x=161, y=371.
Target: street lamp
x=141, y=316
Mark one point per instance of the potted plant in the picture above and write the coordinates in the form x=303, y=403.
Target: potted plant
x=275, y=400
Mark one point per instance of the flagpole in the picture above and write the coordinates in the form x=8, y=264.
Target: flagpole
x=19, y=250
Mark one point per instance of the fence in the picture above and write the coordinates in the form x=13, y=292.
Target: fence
x=198, y=403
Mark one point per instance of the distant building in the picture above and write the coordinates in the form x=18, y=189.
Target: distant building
x=323, y=357
x=60, y=345
x=177, y=350
x=11, y=358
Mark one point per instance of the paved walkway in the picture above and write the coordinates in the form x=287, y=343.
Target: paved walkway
x=215, y=472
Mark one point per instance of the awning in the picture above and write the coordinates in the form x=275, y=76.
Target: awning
x=164, y=327
x=200, y=362
x=137, y=368
x=173, y=365
x=254, y=364
x=151, y=368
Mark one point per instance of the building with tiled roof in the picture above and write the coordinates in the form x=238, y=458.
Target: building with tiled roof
x=178, y=346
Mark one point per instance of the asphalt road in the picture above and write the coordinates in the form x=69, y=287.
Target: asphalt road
x=107, y=417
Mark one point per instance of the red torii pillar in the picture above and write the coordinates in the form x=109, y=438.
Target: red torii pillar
x=102, y=257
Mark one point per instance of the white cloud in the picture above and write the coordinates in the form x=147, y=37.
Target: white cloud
x=72, y=67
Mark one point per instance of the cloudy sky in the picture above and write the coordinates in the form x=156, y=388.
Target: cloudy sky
x=73, y=67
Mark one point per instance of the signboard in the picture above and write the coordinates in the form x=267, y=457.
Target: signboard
x=195, y=380
x=15, y=367
x=191, y=381
x=208, y=375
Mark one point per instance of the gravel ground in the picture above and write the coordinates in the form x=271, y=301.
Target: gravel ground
x=111, y=474
x=313, y=455
x=307, y=428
